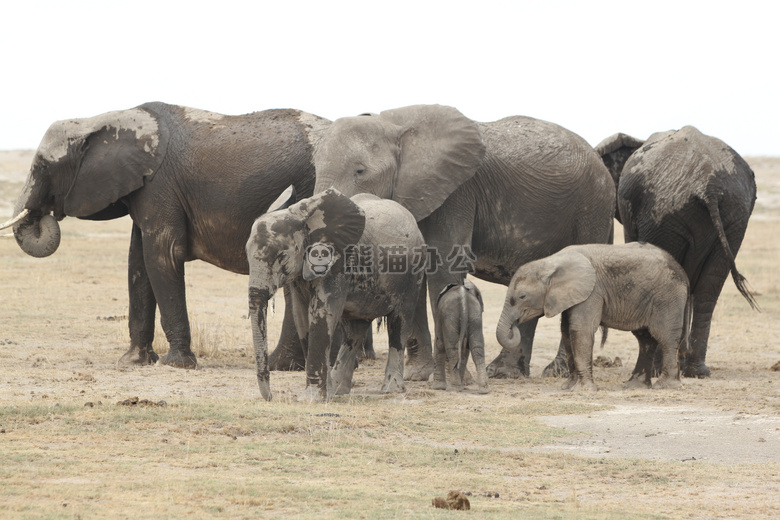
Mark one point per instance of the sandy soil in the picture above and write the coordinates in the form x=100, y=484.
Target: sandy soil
x=63, y=327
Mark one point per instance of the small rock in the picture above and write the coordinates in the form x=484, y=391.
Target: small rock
x=776, y=367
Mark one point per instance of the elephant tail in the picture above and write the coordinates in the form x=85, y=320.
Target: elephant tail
x=604, y=331
x=739, y=280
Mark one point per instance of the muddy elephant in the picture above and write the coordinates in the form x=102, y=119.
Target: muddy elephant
x=692, y=195
x=193, y=183
x=488, y=198
x=344, y=259
x=634, y=287
x=458, y=333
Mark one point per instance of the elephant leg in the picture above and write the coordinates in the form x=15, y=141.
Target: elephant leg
x=705, y=295
x=419, y=365
x=558, y=367
x=513, y=364
x=440, y=368
x=582, y=331
x=340, y=375
x=325, y=310
x=142, y=308
x=164, y=255
x=288, y=354
x=670, y=373
x=367, y=351
x=477, y=348
x=573, y=377
x=398, y=332
x=640, y=377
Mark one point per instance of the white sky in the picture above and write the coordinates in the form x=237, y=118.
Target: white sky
x=593, y=67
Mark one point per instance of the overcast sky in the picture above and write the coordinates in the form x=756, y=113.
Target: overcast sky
x=593, y=67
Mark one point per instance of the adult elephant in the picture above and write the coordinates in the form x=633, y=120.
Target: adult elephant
x=692, y=195
x=193, y=183
x=488, y=198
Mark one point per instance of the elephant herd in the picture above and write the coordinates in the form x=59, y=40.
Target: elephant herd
x=386, y=205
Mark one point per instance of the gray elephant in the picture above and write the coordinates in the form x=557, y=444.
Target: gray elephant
x=636, y=287
x=692, y=195
x=192, y=181
x=344, y=259
x=488, y=198
x=458, y=332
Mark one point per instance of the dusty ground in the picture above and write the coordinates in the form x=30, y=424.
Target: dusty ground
x=63, y=326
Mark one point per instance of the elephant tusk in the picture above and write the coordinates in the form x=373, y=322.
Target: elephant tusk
x=6, y=235
x=14, y=220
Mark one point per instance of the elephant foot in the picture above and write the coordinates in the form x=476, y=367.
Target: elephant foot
x=636, y=383
x=139, y=356
x=582, y=385
x=311, y=394
x=180, y=359
x=569, y=383
x=483, y=389
x=367, y=352
x=699, y=370
x=418, y=368
x=667, y=382
x=506, y=367
x=438, y=385
x=394, y=384
x=287, y=358
x=557, y=368
x=339, y=386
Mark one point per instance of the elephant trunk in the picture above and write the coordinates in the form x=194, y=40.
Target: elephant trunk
x=36, y=231
x=258, y=314
x=38, y=236
x=507, y=332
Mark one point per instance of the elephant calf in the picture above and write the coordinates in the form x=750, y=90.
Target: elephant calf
x=636, y=287
x=344, y=259
x=458, y=328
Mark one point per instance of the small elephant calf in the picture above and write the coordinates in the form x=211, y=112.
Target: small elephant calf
x=636, y=287
x=458, y=328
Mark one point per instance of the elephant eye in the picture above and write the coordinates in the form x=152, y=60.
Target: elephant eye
x=359, y=171
x=522, y=297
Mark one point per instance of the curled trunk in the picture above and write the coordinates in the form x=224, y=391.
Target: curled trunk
x=38, y=236
x=507, y=332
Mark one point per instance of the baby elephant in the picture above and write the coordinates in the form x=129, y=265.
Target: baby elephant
x=636, y=287
x=458, y=328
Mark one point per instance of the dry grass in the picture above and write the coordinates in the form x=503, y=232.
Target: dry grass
x=215, y=449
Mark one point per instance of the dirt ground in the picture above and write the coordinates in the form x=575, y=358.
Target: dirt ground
x=63, y=326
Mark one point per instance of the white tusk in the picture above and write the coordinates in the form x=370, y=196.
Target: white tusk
x=14, y=220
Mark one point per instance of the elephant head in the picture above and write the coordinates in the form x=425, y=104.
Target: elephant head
x=615, y=151
x=82, y=168
x=547, y=287
x=416, y=155
x=292, y=243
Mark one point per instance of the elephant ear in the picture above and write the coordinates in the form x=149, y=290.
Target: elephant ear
x=114, y=153
x=615, y=151
x=570, y=280
x=333, y=219
x=440, y=150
